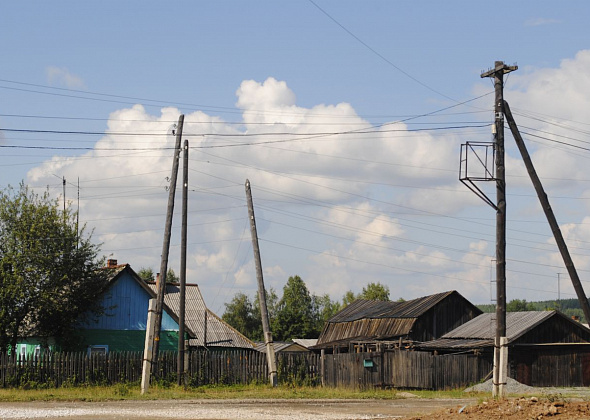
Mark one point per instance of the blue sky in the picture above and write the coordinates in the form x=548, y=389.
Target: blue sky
x=340, y=210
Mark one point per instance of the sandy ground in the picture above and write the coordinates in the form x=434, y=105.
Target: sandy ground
x=231, y=409
x=515, y=408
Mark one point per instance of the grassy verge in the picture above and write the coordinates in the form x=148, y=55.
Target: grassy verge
x=132, y=392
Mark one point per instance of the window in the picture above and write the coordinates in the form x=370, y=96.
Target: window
x=98, y=349
x=23, y=351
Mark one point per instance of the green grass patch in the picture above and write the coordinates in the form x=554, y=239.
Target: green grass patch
x=132, y=392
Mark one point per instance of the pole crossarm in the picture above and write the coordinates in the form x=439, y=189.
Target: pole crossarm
x=499, y=67
x=483, y=160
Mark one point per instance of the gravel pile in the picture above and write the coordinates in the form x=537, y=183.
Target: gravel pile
x=512, y=387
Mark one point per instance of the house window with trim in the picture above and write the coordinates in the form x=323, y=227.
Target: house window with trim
x=98, y=349
x=23, y=351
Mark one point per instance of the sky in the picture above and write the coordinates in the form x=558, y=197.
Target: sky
x=346, y=117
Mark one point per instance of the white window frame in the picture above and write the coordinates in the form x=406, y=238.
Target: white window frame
x=22, y=351
x=98, y=348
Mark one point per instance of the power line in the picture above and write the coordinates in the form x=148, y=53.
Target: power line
x=382, y=57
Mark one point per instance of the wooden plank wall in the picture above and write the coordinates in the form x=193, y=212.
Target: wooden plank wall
x=348, y=370
x=404, y=369
x=558, y=366
x=409, y=369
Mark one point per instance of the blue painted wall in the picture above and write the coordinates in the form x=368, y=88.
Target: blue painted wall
x=126, y=308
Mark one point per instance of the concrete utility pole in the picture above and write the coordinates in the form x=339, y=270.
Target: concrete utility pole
x=500, y=349
x=270, y=352
x=181, y=315
x=149, y=342
x=152, y=357
x=565, y=255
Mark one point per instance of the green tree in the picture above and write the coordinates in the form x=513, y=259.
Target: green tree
x=294, y=318
x=146, y=274
x=171, y=276
x=50, y=275
x=375, y=291
x=372, y=291
x=517, y=305
x=348, y=298
x=239, y=313
x=323, y=308
x=272, y=304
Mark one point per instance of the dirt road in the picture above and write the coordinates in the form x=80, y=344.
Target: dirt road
x=230, y=409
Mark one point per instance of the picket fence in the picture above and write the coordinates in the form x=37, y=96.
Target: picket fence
x=203, y=368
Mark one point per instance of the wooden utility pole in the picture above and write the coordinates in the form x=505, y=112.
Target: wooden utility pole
x=270, y=352
x=152, y=357
x=181, y=313
x=565, y=255
x=500, y=358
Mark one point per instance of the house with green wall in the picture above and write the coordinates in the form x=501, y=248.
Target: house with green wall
x=122, y=325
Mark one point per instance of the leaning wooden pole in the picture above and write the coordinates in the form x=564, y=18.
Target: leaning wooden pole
x=567, y=259
x=270, y=352
x=152, y=357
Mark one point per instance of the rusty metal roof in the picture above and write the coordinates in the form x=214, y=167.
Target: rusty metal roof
x=363, y=329
x=219, y=333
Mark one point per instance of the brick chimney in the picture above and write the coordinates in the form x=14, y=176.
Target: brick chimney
x=111, y=263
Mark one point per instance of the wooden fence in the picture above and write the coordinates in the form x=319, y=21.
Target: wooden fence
x=392, y=368
x=204, y=367
x=404, y=369
x=399, y=369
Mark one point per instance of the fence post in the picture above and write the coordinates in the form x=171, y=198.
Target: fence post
x=323, y=367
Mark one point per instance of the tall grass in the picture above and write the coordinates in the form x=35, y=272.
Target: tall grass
x=132, y=392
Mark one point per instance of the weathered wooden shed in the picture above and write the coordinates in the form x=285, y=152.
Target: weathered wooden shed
x=374, y=325
x=545, y=348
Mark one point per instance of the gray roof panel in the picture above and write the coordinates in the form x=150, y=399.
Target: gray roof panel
x=219, y=333
x=484, y=326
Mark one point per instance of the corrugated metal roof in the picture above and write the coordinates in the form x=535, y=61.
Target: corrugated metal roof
x=281, y=347
x=416, y=307
x=219, y=333
x=484, y=326
x=456, y=344
x=361, y=308
x=306, y=342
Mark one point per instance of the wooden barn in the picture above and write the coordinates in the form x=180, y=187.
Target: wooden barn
x=367, y=325
x=545, y=348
